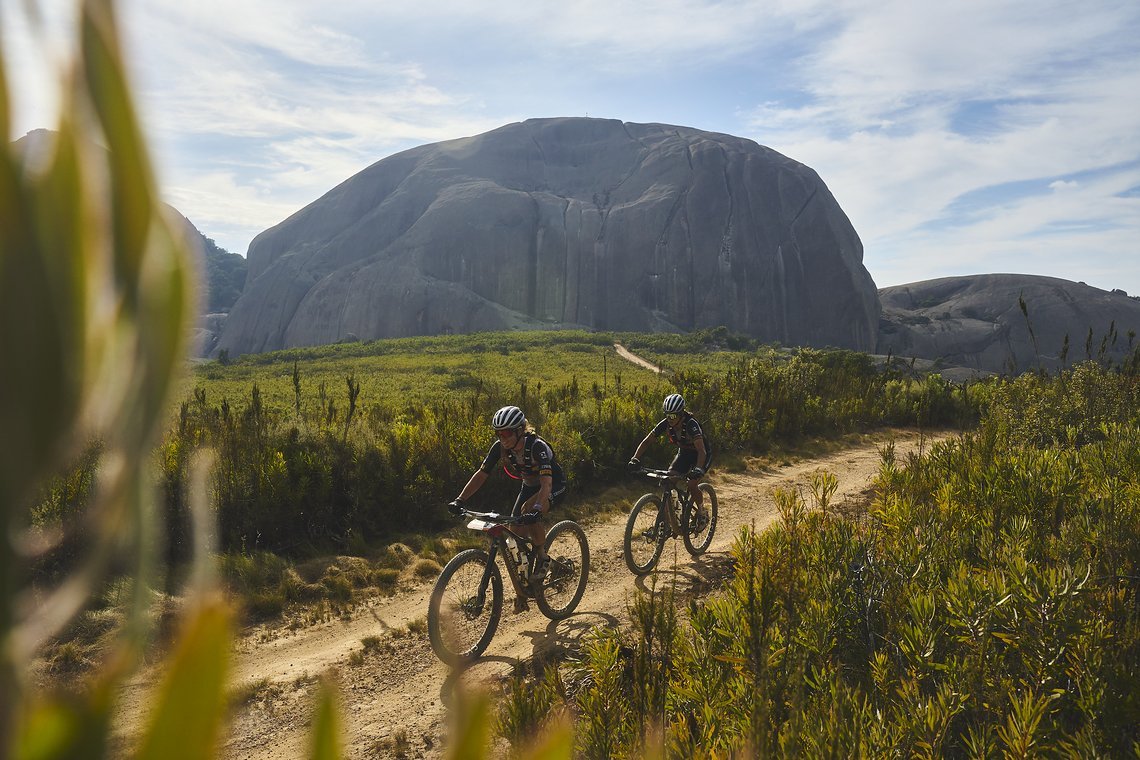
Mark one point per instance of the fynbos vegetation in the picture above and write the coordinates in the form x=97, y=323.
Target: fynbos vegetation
x=983, y=605
x=330, y=468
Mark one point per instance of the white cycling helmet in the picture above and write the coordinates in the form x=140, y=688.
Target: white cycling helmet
x=508, y=418
x=673, y=404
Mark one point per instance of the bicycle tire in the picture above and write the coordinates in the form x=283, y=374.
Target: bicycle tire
x=645, y=533
x=559, y=593
x=459, y=628
x=697, y=542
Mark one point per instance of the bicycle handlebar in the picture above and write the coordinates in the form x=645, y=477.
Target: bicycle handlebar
x=494, y=517
x=659, y=474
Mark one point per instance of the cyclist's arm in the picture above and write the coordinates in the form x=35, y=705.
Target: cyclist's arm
x=644, y=442
x=478, y=478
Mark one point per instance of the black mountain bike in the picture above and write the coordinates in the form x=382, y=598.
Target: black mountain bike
x=467, y=600
x=668, y=514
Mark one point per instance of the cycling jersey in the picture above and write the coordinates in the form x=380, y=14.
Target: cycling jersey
x=537, y=459
x=685, y=434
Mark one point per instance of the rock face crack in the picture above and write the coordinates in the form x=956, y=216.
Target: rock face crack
x=568, y=222
x=803, y=208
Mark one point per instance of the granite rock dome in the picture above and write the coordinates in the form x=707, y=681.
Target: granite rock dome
x=565, y=222
x=976, y=322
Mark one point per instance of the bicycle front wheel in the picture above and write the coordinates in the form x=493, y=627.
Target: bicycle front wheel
x=645, y=534
x=700, y=524
x=464, y=611
x=560, y=591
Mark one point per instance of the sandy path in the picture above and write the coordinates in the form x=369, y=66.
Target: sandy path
x=400, y=689
x=629, y=356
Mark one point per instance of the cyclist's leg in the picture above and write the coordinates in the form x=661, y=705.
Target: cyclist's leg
x=523, y=530
x=535, y=532
x=694, y=490
x=524, y=494
x=682, y=463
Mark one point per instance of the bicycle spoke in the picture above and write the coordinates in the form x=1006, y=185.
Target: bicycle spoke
x=645, y=533
x=565, y=580
x=462, y=613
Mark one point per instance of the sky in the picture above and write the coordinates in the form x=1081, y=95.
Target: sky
x=961, y=137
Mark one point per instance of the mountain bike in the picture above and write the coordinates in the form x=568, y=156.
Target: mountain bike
x=467, y=600
x=668, y=514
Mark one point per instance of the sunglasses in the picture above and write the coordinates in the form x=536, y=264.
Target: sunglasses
x=673, y=416
x=504, y=433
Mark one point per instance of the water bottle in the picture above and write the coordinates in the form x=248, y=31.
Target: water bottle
x=516, y=554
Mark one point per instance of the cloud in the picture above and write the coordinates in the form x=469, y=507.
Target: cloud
x=1005, y=126
x=911, y=109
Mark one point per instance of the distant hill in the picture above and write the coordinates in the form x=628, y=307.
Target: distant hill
x=223, y=273
x=626, y=227
x=977, y=322
x=225, y=277
x=566, y=222
x=222, y=278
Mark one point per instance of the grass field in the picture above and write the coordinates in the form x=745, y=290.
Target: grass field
x=410, y=372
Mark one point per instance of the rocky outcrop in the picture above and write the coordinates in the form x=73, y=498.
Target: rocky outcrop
x=977, y=322
x=564, y=222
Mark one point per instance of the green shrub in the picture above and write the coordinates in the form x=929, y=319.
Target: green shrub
x=984, y=605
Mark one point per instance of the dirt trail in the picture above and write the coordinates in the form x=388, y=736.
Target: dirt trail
x=401, y=689
x=629, y=356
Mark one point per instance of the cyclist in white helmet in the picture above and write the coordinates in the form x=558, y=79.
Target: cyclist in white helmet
x=694, y=452
x=528, y=458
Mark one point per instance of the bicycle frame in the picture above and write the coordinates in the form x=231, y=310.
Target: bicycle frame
x=498, y=531
x=672, y=497
x=466, y=603
x=672, y=516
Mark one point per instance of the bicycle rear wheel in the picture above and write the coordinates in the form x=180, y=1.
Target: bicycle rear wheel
x=463, y=614
x=699, y=527
x=645, y=534
x=558, y=594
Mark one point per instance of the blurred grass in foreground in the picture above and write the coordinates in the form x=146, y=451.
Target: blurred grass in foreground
x=96, y=297
x=97, y=294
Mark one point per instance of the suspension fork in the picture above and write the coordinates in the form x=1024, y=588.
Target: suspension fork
x=492, y=550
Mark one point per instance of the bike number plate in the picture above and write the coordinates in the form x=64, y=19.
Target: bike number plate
x=482, y=525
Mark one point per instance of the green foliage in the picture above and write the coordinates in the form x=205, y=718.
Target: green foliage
x=224, y=276
x=983, y=605
x=307, y=465
x=1069, y=409
x=526, y=705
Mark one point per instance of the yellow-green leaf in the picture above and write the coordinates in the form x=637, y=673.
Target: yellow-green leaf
x=192, y=701
x=326, y=726
x=470, y=726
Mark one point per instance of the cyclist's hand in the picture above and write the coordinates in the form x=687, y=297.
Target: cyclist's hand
x=530, y=518
x=455, y=507
x=696, y=473
x=634, y=464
